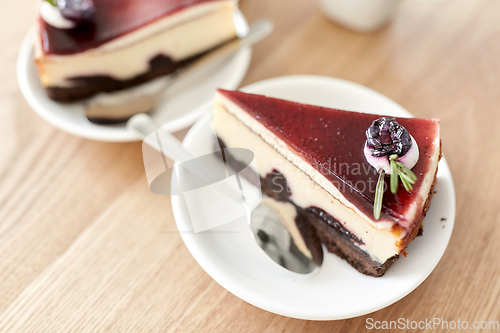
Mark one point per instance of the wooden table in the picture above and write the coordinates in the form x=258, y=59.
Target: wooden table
x=82, y=239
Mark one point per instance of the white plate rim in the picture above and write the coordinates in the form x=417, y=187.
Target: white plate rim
x=112, y=133
x=247, y=296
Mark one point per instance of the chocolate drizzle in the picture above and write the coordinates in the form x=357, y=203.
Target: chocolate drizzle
x=333, y=223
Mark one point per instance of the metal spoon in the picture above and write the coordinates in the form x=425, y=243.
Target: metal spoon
x=269, y=231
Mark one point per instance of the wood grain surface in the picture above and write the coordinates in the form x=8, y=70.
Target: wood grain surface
x=83, y=246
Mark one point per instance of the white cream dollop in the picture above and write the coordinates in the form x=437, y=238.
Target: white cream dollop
x=52, y=15
x=409, y=159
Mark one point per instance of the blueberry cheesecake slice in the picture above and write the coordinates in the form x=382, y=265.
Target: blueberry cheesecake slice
x=363, y=182
x=86, y=47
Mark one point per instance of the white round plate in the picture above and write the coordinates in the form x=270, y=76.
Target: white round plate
x=186, y=105
x=230, y=255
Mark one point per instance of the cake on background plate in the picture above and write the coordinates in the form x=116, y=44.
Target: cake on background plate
x=86, y=47
x=332, y=164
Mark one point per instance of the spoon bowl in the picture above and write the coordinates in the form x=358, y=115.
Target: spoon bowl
x=275, y=240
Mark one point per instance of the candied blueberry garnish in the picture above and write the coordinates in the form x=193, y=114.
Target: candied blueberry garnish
x=386, y=137
x=79, y=11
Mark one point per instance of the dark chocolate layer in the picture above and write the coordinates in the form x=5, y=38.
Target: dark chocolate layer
x=88, y=86
x=343, y=247
x=333, y=223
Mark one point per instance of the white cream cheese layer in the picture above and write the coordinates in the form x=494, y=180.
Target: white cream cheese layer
x=379, y=243
x=179, y=36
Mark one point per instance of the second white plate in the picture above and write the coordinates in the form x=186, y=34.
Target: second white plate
x=230, y=255
x=184, y=107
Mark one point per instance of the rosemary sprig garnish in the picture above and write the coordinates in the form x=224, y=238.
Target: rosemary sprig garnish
x=379, y=195
x=407, y=176
x=398, y=172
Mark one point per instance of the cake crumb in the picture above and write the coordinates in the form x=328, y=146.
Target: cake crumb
x=443, y=219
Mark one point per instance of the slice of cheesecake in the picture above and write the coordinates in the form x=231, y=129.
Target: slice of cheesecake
x=313, y=157
x=120, y=44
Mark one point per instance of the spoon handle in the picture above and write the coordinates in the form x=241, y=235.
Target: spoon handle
x=168, y=145
x=143, y=125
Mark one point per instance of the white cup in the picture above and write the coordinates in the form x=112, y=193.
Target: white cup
x=360, y=15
